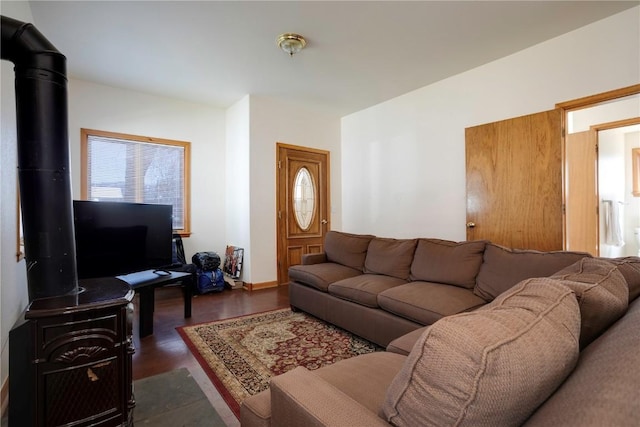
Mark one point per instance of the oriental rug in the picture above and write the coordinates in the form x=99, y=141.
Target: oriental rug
x=241, y=354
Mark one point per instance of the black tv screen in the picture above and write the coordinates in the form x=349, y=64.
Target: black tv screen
x=115, y=238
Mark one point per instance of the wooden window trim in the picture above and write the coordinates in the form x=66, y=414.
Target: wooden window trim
x=84, y=171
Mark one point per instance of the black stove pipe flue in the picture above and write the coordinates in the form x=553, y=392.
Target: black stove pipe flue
x=43, y=159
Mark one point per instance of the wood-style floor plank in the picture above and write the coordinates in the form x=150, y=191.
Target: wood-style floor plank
x=165, y=350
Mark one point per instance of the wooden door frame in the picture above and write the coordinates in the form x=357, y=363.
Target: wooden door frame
x=280, y=228
x=579, y=104
x=590, y=101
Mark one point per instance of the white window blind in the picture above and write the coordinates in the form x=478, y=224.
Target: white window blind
x=135, y=171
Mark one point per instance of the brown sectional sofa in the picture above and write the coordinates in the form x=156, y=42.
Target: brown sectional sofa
x=510, y=347
x=381, y=289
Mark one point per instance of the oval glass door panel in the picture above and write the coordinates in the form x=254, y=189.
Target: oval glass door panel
x=304, y=198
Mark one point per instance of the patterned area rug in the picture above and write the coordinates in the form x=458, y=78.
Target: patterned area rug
x=240, y=355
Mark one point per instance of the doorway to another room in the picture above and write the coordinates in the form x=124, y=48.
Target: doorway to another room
x=603, y=200
x=618, y=190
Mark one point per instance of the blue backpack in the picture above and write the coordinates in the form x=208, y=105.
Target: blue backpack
x=209, y=281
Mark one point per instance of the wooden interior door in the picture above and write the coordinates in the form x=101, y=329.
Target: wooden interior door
x=302, y=204
x=514, y=182
x=581, y=192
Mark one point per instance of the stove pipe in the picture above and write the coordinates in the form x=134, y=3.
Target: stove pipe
x=43, y=159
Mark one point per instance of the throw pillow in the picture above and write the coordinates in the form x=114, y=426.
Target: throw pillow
x=602, y=293
x=502, y=268
x=346, y=249
x=489, y=367
x=391, y=257
x=444, y=261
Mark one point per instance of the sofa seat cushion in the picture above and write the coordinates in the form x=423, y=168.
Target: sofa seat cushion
x=320, y=276
x=391, y=257
x=602, y=292
x=425, y=302
x=364, y=378
x=490, y=367
x=444, y=261
x=364, y=289
x=346, y=249
x=603, y=388
x=503, y=268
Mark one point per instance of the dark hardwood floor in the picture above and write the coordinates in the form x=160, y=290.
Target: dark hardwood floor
x=165, y=350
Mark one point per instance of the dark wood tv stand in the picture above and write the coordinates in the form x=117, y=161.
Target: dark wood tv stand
x=145, y=283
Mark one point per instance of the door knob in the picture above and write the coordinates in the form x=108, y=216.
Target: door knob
x=324, y=221
x=471, y=224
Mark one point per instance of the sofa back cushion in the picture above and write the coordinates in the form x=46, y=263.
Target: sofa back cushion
x=346, y=249
x=502, y=268
x=630, y=269
x=489, y=367
x=603, y=389
x=391, y=257
x=444, y=261
x=602, y=293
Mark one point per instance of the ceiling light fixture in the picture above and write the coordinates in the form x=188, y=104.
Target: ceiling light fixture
x=291, y=43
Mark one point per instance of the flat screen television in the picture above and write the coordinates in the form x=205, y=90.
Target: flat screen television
x=116, y=238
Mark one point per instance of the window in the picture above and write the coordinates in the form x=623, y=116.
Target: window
x=129, y=168
x=304, y=198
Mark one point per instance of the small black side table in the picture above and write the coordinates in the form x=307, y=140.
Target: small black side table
x=145, y=283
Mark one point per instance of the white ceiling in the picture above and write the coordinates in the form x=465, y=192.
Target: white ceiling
x=359, y=53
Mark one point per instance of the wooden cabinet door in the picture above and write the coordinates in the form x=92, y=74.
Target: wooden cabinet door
x=514, y=182
x=303, y=204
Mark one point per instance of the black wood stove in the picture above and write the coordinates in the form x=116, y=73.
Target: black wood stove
x=70, y=354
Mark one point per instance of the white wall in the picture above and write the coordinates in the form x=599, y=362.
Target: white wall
x=238, y=205
x=13, y=275
x=254, y=125
x=95, y=106
x=272, y=121
x=403, y=164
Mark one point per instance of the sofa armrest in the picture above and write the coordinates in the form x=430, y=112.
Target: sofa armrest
x=317, y=258
x=301, y=398
x=404, y=344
